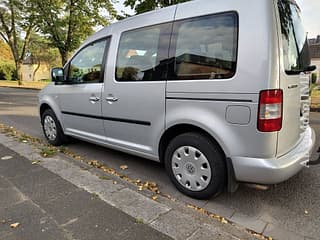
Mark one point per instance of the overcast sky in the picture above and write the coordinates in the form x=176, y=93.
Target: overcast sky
x=311, y=16
x=310, y=13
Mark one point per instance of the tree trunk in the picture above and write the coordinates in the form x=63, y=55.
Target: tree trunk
x=35, y=71
x=19, y=72
x=64, y=56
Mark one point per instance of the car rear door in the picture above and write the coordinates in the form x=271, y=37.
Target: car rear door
x=294, y=58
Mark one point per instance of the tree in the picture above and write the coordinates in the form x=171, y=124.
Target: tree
x=5, y=52
x=67, y=23
x=141, y=6
x=16, y=19
x=40, y=52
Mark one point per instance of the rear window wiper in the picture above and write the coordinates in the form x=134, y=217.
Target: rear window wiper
x=306, y=69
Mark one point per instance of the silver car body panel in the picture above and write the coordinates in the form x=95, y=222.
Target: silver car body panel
x=225, y=108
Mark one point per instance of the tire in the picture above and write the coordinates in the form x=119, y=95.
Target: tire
x=196, y=165
x=52, y=128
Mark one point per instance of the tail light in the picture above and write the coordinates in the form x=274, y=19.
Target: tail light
x=270, y=110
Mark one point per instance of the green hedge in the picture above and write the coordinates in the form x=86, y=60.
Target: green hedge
x=313, y=77
x=7, y=71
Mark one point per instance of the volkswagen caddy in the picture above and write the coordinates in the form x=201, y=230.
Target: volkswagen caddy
x=216, y=90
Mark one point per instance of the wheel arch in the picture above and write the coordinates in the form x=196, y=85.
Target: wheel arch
x=44, y=105
x=175, y=130
x=181, y=128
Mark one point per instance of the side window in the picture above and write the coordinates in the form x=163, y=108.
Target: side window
x=86, y=66
x=205, y=47
x=140, y=56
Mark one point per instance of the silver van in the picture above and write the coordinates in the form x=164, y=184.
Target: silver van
x=216, y=90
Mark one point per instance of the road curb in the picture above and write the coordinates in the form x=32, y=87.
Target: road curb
x=169, y=217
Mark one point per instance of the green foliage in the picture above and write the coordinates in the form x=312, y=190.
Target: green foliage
x=42, y=52
x=7, y=70
x=5, y=52
x=16, y=20
x=313, y=77
x=67, y=23
x=141, y=6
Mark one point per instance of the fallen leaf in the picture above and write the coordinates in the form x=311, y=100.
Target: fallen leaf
x=24, y=141
x=137, y=181
x=154, y=197
x=123, y=167
x=140, y=188
x=224, y=221
x=306, y=212
x=35, y=162
x=6, y=157
x=14, y=225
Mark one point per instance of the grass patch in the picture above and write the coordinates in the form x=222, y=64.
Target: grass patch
x=104, y=178
x=48, y=151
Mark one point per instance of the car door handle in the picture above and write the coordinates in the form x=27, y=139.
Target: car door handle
x=111, y=99
x=94, y=99
x=293, y=86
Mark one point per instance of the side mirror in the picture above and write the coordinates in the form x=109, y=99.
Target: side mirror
x=57, y=75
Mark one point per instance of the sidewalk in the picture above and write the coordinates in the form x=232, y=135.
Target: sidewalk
x=45, y=206
x=62, y=198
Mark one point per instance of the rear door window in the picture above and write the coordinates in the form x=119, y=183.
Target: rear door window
x=142, y=54
x=294, y=38
x=205, y=47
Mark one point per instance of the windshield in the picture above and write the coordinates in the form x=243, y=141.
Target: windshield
x=294, y=38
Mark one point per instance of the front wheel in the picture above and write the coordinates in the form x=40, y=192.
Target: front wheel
x=52, y=128
x=196, y=165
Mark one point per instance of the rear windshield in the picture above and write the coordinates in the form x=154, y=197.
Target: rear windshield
x=294, y=38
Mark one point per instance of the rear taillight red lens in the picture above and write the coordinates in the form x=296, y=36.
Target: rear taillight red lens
x=270, y=110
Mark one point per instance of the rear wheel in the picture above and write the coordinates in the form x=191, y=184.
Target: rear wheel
x=52, y=128
x=196, y=165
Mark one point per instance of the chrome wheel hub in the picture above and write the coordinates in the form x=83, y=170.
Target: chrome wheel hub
x=50, y=128
x=191, y=168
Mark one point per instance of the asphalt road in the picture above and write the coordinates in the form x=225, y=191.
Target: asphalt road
x=292, y=205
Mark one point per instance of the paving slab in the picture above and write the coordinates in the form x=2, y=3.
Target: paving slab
x=279, y=233
x=34, y=223
x=206, y=232
x=137, y=205
x=252, y=223
x=178, y=225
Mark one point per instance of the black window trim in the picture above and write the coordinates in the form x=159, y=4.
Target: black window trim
x=173, y=43
x=172, y=47
x=104, y=60
x=162, y=44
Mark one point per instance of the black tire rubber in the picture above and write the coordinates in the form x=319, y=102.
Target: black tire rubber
x=214, y=156
x=60, y=138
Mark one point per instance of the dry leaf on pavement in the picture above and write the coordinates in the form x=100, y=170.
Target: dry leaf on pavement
x=123, y=167
x=6, y=157
x=14, y=225
x=35, y=162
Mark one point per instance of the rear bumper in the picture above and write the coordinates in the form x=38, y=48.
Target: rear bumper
x=275, y=170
